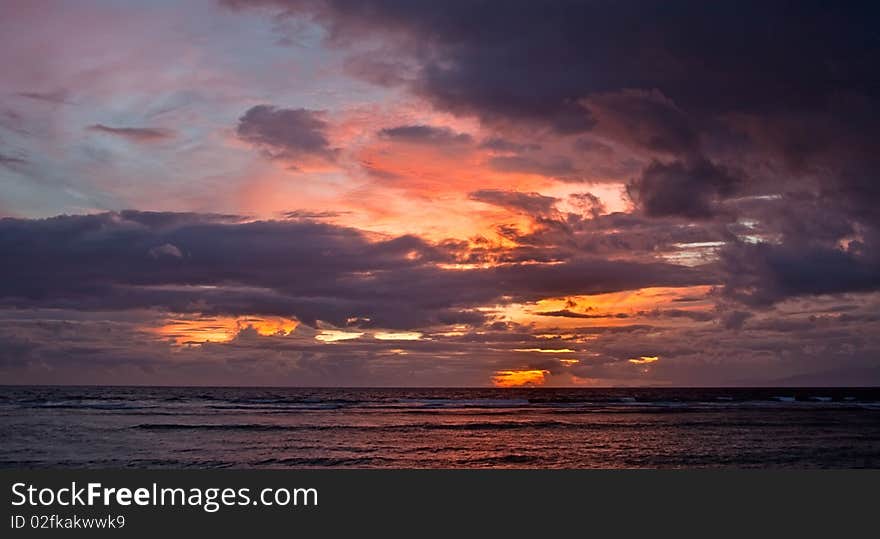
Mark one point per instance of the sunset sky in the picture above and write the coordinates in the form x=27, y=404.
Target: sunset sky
x=428, y=193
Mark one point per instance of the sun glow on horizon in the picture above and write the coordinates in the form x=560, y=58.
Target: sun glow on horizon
x=520, y=378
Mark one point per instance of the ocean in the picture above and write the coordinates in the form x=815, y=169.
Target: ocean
x=160, y=427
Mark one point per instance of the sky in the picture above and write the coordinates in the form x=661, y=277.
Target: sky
x=421, y=193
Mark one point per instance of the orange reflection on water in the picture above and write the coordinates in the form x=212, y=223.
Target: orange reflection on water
x=519, y=378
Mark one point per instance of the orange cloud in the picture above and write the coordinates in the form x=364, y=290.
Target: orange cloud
x=394, y=185
x=610, y=309
x=216, y=329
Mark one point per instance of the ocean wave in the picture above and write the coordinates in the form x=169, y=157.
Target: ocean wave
x=476, y=425
x=499, y=460
x=219, y=426
x=92, y=405
x=233, y=401
x=279, y=407
x=328, y=462
x=464, y=403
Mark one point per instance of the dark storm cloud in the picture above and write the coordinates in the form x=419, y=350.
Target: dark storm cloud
x=587, y=275
x=812, y=245
x=298, y=268
x=762, y=274
x=677, y=189
x=534, y=60
x=645, y=119
x=286, y=133
x=742, y=99
x=425, y=134
x=529, y=203
x=135, y=134
x=614, y=235
x=735, y=319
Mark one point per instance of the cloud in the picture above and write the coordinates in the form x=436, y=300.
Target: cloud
x=557, y=166
x=719, y=93
x=166, y=249
x=690, y=190
x=735, y=319
x=802, y=244
x=382, y=70
x=745, y=135
x=10, y=161
x=762, y=274
x=774, y=348
x=528, y=203
x=588, y=203
x=286, y=133
x=645, y=119
x=483, y=60
x=425, y=134
x=294, y=268
x=58, y=97
x=92, y=327
x=135, y=134
x=305, y=214
x=499, y=144
x=566, y=313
